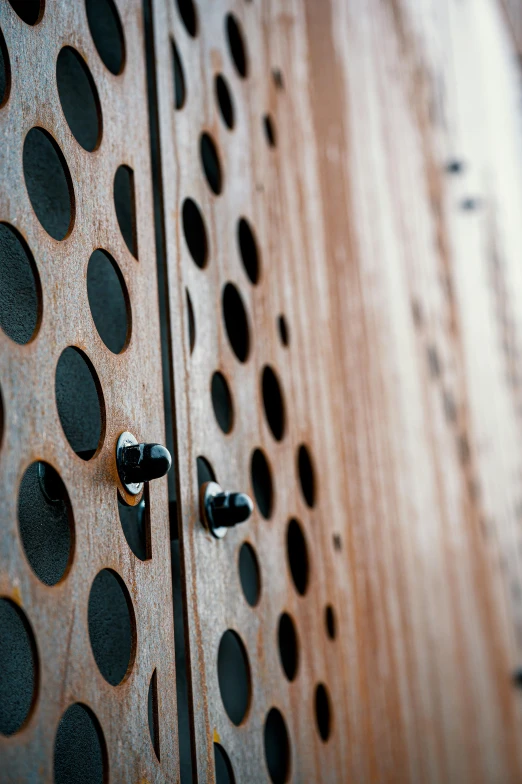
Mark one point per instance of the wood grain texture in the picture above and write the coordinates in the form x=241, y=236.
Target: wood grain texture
x=400, y=282
x=131, y=385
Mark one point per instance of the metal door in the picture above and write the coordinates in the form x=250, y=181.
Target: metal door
x=281, y=237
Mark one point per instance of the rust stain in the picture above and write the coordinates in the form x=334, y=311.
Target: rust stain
x=16, y=595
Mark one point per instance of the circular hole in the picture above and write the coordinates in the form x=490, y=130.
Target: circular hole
x=136, y=527
x=262, y=483
x=249, y=574
x=306, y=475
x=5, y=72
x=80, y=753
x=322, y=712
x=187, y=11
x=46, y=522
x=222, y=402
x=224, y=771
x=195, y=232
x=20, y=289
x=18, y=665
x=79, y=402
x=297, y=553
x=248, y=250
x=224, y=100
x=282, y=326
x=236, y=322
x=29, y=11
x=277, y=747
x=112, y=627
x=269, y=128
x=179, y=77
x=79, y=98
x=234, y=676
x=48, y=183
x=108, y=300
x=191, y=323
x=107, y=33
x=210, y=163
x=330, y=622
x=288, y=647
x=205, y=471
x=125, y=206
x=273, y=403
x=236, y=45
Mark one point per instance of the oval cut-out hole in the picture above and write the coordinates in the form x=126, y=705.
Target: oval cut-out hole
x=277, y=747
x=29, y=11
x=273, y=403
x=322, y=712
x=5, y=71
x=249, y=574
x=277, y=77
x=108, y=300
x=79, y=98
x=224, y=771
x=236, y=45
x=234, y=676
x=179, y=77
x=210, y=163
x=282, y=327
x=125, y=206
x=330, y=622
x=20, y=289
x=236, y=322
x=80, y=753
x=222, y=402
x=152, y=710
x=187, y=11
x=19, y=668
x=248, y=250
x=205, y=471
x=262, y=483
x=191, y=323
x=112, y=627
x=224, y=101
x=48, y=183
x=80, y=404
x=306, y=475
x=195, y=232
x=269, y=128
x=107, y=33
x=297, y=554
x=288, y=646
x=135, y=522
x=46, y=522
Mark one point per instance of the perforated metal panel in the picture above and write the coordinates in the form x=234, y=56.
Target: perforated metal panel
x=129, y=390
x=246, y=179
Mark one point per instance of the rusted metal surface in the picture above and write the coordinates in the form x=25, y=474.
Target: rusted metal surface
x=386, y=223
x=385, y=200
x=266, y=185
x=130, y=383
